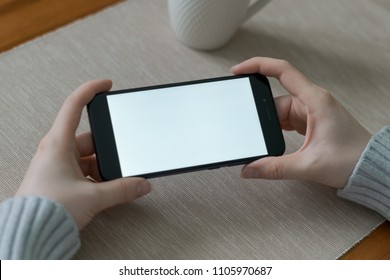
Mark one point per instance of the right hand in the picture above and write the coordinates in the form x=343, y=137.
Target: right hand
x=334, y=140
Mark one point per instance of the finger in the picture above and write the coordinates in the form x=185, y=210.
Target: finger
x=283, y=108
x=85, y=144
x=68, y=118
x=90, y=168
x=292, y=114
x=291, y=78
x=122, y=190
x=275, y=168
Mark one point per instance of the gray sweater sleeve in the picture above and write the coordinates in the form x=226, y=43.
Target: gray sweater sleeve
x=369, y=183
x=35, y=227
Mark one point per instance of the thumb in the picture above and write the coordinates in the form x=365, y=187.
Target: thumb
x=121, y=190
x=275, y=168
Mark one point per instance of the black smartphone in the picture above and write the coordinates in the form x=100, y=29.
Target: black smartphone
x=174, y=128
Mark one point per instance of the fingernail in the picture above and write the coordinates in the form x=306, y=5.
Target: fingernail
x=144, y=187
x=233, y=68
x=250, y=173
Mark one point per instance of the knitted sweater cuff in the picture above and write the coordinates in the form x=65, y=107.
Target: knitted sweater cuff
x=33, y=227
x=369, y=183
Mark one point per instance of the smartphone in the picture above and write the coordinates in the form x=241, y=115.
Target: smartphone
x=174, y=128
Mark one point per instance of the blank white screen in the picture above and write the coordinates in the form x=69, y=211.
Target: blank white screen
x=170, y=128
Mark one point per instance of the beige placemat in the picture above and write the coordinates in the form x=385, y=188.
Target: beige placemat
x=342, y=45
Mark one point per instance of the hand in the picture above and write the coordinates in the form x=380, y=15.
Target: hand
x=62, y=162
x=334, y=140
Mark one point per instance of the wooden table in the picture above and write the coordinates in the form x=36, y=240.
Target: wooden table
x=22, y=20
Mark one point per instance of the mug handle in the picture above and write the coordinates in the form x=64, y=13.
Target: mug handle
x=255, y=7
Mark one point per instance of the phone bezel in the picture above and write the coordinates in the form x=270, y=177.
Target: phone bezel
x=105, y=145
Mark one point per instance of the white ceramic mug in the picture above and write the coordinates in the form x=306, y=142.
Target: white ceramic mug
x=210, y=24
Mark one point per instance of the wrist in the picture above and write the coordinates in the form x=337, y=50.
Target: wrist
x=369, y=183
x=39, y=228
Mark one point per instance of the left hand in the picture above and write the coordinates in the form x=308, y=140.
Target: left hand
x=63, y=161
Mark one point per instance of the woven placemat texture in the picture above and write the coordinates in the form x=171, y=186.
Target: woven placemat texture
x=342, y=45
